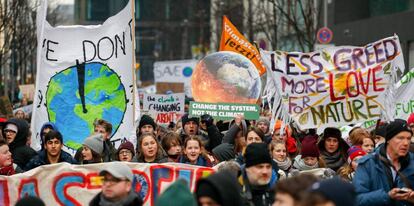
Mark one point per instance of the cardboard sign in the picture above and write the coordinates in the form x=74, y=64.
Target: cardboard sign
x=27, y=91
x=169, y=87
x=224, y=111
x=164, y=108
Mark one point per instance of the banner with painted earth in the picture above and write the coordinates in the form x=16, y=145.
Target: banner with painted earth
x=404, y=104
x=85, y=73
x=164, y=108
x=338, y=85
x=66, y=184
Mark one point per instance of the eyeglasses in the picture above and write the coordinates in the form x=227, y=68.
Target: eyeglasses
x=126, y=152
x=11, y=131
x=112, y=181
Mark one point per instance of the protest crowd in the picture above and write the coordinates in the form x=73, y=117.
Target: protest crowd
x=256, y=164
x=298, y=140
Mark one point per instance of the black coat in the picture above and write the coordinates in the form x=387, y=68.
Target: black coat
x=137, y=201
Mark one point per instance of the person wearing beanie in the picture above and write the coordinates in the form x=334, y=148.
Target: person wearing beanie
x=264, y=124
x=410, y=122
x=220, y=189
x=16, y=133
x=309, y=156
x=286, y=137
x=347, y=172
x=126, y=151
x=379, y=135
x=333, y=191
x=177, y=194
x=146, y=125
x=333, y=148
x=380, y=176
x=256, y=176
x=52, y=153
x=92, y=149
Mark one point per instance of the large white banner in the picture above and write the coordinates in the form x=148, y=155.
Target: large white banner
x=175, y=71
x=336, y=86
x=76, y=185
x=85, y=73
x=404, y=104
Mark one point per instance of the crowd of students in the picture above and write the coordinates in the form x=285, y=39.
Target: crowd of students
x=279, y=166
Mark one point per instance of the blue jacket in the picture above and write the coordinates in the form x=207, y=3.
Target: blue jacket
x=41, y=159
x=373, y=179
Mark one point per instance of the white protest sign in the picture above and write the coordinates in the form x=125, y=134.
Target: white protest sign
x=404, y=104
x=164, y=108
x=175, y=71
x=85, y=73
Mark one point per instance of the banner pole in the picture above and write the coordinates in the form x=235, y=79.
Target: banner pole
x=134, y=78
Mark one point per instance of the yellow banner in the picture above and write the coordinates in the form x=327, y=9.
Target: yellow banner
x=233, y=40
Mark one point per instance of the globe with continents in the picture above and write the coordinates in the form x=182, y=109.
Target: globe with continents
x=225, y=77
x=79, y=95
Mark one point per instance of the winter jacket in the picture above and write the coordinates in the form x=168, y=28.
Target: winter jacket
x=210, y=139
x=255, y=195
x=373, y=180
x=201, y=161
x=225, y=151
x=21, y=153
x=226, y=186
x=133, y=200
x=41, y=159
x=109, y=153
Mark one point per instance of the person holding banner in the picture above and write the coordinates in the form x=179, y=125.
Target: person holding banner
x=52, y=153
x=7, y=167
x=387, y=176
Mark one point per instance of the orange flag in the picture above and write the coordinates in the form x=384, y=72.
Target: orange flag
x=233, y=40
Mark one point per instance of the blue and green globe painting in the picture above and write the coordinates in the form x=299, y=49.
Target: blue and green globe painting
x=103, y=97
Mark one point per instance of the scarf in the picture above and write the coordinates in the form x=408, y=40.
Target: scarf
x=124, y=201
x=301, y=166
x=284, y=165
x=333, y=160
x=7, y=171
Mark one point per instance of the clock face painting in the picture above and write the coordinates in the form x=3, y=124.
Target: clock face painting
x=78, y=95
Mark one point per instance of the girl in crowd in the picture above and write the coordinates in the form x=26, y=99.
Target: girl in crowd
x=333, y=148
x=361, y=137
x=285, y=137
x=309, y=157
x=126, y=152
x=150, y=150
x=195, y=154
x=7, y=167
x=92, y=150
x=278, y=152
x=347, y=172
x=171, y=143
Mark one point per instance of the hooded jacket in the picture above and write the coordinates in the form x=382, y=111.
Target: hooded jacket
x=373, y=180
x=21, y=153
x=226, y=187
x=46, y=125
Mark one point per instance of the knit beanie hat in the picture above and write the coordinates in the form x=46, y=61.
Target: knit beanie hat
x=264, y=120
x=395, y=127
x=30, y=201
x=95, y=143
x=332, y=132
x=185, y=119
x=341, y=193
x=206, y=189
x=257, y=153
x=410, y=119
x=309, y=147
x=355, y=151
x=381, y=130
x=147, y=120
x=176, y=194
x=127, y=145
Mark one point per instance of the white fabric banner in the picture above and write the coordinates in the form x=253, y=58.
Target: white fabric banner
x=336, y=86
x=66, y=184
x=404, y=104
x=85, y=73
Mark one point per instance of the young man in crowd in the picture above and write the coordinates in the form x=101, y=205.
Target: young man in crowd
x=52, y=152
x=117, y=187
x=104, y=128
x=386, y=177
x=146, y=125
